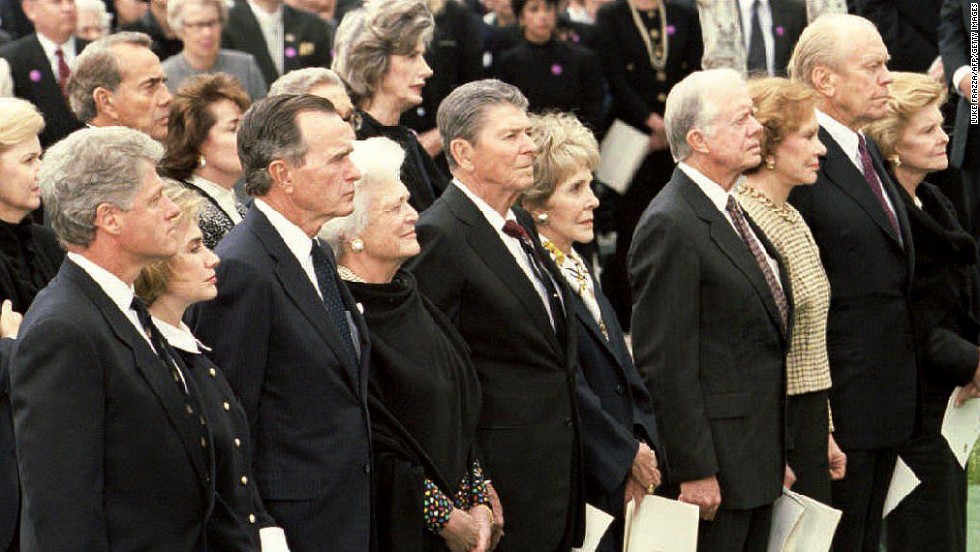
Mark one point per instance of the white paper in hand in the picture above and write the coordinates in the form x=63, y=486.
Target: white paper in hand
x=801, y=524
x=787, y=516
x=661, y=525
x=903, y=483
x=622, y=151
x=961, y=426
x=596, y=524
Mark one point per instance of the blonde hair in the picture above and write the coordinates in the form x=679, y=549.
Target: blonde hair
x=781, y=107
x=152, y=282
x=909, y=93
x=565, y=145
x=20, y=121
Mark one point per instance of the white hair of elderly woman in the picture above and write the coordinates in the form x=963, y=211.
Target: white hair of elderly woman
x=379, y=160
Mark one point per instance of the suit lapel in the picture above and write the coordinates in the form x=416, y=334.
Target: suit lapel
x=781, y=46
x=729, y=242
x=151, y=368
x=498, y=260
x=299, y=288
x=244, y=24
x=290, y=28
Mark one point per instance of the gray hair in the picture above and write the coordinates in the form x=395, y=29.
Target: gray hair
x=270, y=131
x=301, y=81
x=369, y=36
x=461, y=114
x=97, y=6
x=693, y=104
x=379, y=160
x=88, y=168
x=97, y=67
x=175, y=11
x=824, y=43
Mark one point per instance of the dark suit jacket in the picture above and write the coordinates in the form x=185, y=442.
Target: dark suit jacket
x=529, y=430
x=788, y=21
x=35, y=82
x=110, y=457
x=9, y=486
x=305, y=400
x=707, y=339
x=954, y=45
x=307, y=41
x=909, y=29
x=870, y=339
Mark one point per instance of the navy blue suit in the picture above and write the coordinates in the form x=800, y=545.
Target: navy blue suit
x=304, y=398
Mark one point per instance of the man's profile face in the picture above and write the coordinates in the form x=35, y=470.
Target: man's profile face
x=141, y=101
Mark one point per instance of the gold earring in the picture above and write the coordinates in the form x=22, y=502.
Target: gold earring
x=896, y=160
x=770, y=163
x=357, y=245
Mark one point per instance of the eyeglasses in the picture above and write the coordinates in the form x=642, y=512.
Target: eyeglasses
x=201, y=25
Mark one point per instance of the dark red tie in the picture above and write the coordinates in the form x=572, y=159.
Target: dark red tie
x=871, y=177
x=63, y=71
x=742, y=226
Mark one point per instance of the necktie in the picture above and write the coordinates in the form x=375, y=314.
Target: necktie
x=871, y=177
x=63, y=71
x=515, y=230
x=159, y=344
x=757, y=47
x=760, y=258
x=325, y=272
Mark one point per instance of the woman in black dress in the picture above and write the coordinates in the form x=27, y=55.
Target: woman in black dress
x=29, y=253
x=945, y=304
x=423, y=391
x=239, y=522
x=554, y=75
x=646, y=47
x=380, y=54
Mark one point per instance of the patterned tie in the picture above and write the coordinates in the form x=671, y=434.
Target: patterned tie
x=325, y=277
x=735, y=211
x=63, y=71
x=757, y=46
x=871, y=177
x=159, y=344
x=515, y=230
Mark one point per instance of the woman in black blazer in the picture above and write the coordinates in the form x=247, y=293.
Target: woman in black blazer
x=944, y=309
x=618, y=424
x=239, y=522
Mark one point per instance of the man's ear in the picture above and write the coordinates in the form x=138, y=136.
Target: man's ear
x=108, y=219
x=281, y=175
x=103, y=103
x=825, y=81
x=698, y=140
x=462, y=152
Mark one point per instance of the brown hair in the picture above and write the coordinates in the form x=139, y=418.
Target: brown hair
x=191, y=119
x=909, y=93
x=781, y=106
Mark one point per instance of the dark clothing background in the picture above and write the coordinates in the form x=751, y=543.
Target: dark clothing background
x=163, y=46
x=29, y=258
x=9, y=485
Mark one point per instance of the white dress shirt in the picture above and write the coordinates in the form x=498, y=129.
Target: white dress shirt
x=765, y=20
x=223, y=197
x=273, y=32
x=513, y=244
x=49, y=47
x=847, y=139
x=296, y=240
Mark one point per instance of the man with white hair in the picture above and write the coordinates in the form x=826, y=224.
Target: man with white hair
x=860, y=225
x=710, y=319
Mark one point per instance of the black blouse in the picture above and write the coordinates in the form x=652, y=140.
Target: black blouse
x=29, y=258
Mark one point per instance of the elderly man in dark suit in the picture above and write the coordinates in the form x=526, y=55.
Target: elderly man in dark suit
x=710, y=315
x=281, y=37
x=861, y=228
x=40, y=64
x=113, y=451
x=286, y=330
x=481, y=267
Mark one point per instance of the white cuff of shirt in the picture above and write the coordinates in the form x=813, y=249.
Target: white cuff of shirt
x=273, y=539
x=959, y=75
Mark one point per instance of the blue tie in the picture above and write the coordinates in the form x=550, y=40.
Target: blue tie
x=325, y=272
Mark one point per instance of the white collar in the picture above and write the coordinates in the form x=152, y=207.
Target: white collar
x=714, y=191
x=492, y=216
x=223, y=196
x=846, y=138
x=296, y=239
x=179, y=337
x=120, y=292
x=49, y=46
x=264, y=16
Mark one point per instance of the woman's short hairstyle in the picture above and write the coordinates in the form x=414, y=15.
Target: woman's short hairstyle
x=301, y=81
x=518, y=6
x=369, y=36
x=379, y=160
x=153, y=279
x=565, y=146
x=20, y=121
x=461, y=114
x=191, y=119
x=781, y=107
x=90, y=167
x=97, y=67
x=175, y=11
x=909, y=93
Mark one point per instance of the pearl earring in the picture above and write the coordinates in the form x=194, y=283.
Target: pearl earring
x=896, y=160
x=357, y=245
x=542, y=218
x=202, y=162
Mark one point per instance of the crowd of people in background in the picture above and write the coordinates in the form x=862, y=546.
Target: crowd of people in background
x=308, y=275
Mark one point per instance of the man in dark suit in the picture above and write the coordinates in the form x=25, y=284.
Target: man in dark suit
x=287, y=332
x=113, y=451
x=40, y=64
x=9, y=485
x=710, y=313
x=481, y=268
x=954, y=46
x=769, y=31
x=860, y=225
x=281, y=37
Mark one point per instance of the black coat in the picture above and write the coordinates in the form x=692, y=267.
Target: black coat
x=708, y=342
x=35, y=82
x=29, y=258
x=109, y=457
x=788, y=21
x=954, y=46
x=909, y=29
x=9, y=486
x=870, y=338
x=306, y=401
x=162, y=46
x=529, y=431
